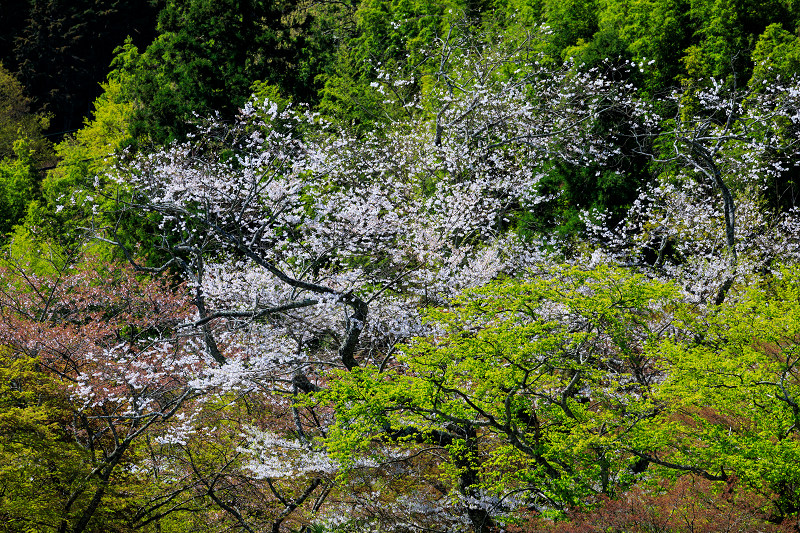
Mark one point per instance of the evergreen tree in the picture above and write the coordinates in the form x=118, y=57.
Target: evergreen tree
x=66, y=46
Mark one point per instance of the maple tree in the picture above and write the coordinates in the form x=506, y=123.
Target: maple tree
x=732, y=392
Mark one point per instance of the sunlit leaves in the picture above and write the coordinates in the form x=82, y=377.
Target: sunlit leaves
x=552, y=373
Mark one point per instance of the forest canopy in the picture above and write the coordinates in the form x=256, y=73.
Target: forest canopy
x=521, y=266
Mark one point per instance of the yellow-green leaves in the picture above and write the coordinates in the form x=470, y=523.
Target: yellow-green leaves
x=733, y=388
x=534, y=385
x=17, y=185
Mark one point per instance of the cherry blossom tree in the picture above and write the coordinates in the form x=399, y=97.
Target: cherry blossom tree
x=714, y=212
x=109, y=341
x=308, y=248
x=309, y=252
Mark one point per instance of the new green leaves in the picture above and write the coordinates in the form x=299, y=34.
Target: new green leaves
x=536, y=385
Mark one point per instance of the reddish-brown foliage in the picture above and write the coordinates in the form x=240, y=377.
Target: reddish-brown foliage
x=688, y=505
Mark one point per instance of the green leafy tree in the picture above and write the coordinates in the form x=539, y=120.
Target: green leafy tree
x=571, y=23
x=729, y=31
x=776, y=56
x=392, y=41
x=84, y=160
x=208, y=54
x=17, y=186
x=38, y=461
x=65, y=208
x=655, y=32
x=732, y=394
x=538, y=384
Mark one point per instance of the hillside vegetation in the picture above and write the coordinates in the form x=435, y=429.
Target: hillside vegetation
x=518, y=266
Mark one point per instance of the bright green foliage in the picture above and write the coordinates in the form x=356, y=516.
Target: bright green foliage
x=729, y=32
x=392, y=40
x=38, y=464
x=399, y=30
x=572, y=22
x=90, y=151
x=550, y=374
x=777, y=54
x=656, y=32
x=63, y=211
x=732, y=398
x=17, y=186
x=682, y=39
x=567, y=379
x=527, y=13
